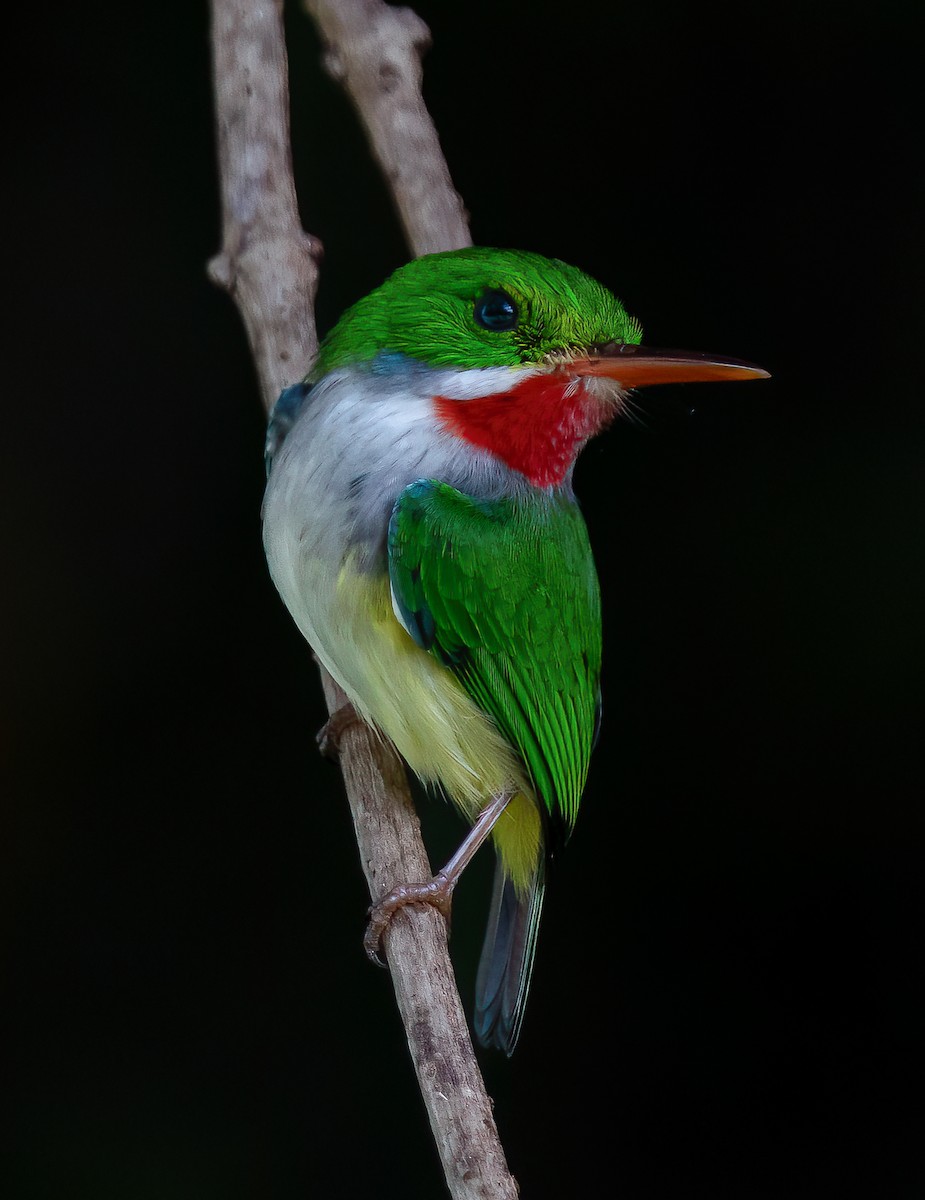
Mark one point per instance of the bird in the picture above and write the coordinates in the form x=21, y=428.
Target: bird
x=421, y=527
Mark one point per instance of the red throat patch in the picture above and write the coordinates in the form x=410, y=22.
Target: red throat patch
x=537, y=428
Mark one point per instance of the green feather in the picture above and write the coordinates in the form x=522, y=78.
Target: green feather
x=424, y=310
x=505, y=595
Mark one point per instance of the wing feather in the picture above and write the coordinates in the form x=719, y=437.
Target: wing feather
x=504, y=593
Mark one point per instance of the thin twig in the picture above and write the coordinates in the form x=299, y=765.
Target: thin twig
x=269, y=265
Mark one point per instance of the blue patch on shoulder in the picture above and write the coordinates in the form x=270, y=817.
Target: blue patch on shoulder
x=282, y=418
x=421, y=489
x=393, y=362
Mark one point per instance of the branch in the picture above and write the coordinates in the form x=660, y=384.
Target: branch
x=375, y=51
x=269, y=265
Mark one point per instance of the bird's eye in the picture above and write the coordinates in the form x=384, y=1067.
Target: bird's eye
x=495, y=310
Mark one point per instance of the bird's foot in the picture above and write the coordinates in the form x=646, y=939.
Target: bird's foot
x=438, y=893
x=329, y=735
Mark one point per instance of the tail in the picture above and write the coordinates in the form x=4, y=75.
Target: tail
x=506, y=964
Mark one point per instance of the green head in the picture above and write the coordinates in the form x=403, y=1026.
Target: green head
x=479, y=307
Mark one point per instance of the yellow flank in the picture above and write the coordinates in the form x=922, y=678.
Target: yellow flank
x=423, y=709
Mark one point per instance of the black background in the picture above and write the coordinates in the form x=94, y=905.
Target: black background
x=728, y=996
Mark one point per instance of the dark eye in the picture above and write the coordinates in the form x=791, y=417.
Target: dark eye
x=495, y=310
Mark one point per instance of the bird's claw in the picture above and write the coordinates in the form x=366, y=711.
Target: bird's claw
x=438, y=893
x=329, y=735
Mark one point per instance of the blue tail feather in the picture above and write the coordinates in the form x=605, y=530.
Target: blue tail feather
x=506, y=964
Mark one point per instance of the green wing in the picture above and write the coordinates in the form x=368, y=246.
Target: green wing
x=505, y=594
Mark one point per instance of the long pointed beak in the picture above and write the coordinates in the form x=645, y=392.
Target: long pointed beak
x=638, y=366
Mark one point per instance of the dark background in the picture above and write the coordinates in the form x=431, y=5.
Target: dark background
x=728, y=996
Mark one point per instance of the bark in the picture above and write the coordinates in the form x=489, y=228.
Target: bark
x=374, y=51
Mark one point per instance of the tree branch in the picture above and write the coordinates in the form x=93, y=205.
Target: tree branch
x=269, y=265
x=374, y=51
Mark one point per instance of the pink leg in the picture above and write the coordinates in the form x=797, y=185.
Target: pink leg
x=439, y=890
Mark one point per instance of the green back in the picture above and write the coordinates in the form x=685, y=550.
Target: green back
x=505, y=594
